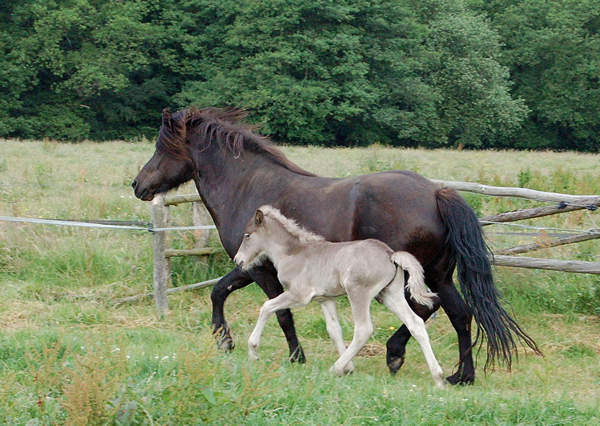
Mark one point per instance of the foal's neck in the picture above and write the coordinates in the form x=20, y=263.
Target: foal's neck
x=282, y=245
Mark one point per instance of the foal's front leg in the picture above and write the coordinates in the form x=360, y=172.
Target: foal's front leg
x=334, y=330
x=284, y=301
x=266, y=277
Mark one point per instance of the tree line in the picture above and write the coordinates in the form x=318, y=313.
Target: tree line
x=518, y=74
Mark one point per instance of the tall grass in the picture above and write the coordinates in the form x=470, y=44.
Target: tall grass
x=68, y=355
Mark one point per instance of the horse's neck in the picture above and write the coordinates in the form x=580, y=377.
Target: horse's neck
x=232, y=188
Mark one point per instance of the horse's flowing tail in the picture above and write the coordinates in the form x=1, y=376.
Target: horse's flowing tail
x=472, y=256
x=416, y=279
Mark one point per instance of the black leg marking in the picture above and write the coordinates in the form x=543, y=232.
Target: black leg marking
x=460, y=316
x=234, y=280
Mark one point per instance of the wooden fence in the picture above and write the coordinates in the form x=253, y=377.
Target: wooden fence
x=505, y=257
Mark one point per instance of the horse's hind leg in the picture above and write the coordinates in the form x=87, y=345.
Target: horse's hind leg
x=266, y=278
x=393, y=298
x=234, y=280
x=335, y=331
x=460, y=316
x=363, y=329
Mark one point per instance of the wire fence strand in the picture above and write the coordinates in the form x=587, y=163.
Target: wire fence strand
x=95, y=224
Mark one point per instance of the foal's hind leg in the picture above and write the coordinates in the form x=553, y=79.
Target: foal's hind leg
x=363, y=329
x=335, y=331
x=393, y=298
x=396, y=344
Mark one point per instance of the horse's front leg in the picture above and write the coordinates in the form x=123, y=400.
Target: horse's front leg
x=283, y=301
x=234, y=280
x=266, y=277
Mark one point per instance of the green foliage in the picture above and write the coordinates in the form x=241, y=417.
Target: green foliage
x=553, y=51
x=504, y=73
x=355, y=73
x=324, y=72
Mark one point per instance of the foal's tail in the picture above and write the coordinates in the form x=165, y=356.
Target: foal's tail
x=416, y=279
x=472, y=255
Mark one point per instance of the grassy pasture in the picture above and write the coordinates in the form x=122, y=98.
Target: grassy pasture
x=68, y=355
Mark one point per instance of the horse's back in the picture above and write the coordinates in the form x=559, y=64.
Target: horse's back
x=396, y=207
x=400, y=209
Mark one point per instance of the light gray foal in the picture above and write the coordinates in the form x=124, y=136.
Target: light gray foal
x=309, y=267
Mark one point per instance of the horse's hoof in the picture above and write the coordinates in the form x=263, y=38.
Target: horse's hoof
x=457, y=379
x=224, y=340
x=395, y=364
x=298, y=356
x=225, y=343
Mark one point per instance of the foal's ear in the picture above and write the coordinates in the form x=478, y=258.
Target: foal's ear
x=258, y=218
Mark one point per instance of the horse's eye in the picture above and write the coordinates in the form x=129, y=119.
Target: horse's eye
x=246, y=235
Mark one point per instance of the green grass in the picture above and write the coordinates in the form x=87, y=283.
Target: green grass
x=69, y=355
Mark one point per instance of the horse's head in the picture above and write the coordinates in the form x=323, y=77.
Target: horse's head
x=171, y=165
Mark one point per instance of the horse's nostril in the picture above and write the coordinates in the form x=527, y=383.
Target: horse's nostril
x=134, y=184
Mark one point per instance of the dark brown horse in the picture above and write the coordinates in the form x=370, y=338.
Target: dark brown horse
x=236, y=171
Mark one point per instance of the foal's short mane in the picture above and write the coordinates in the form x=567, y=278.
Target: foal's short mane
x=223, y=126
x=291, y=225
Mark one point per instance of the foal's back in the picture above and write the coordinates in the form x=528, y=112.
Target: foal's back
x=332, y=269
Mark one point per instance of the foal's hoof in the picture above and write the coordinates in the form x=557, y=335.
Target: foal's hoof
x=298, y=355
x=336, y=370
x=457, y=379
x=394, y=364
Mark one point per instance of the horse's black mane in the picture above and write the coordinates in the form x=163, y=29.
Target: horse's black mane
x=223, y=126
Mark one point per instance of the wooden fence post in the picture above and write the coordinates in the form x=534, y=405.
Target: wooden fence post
x=200, y=217
x=162, y=270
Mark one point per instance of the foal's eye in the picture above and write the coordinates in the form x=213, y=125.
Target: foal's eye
x=246, y=235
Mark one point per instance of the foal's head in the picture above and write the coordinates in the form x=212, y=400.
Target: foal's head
x=269, y=228
x=252, y=249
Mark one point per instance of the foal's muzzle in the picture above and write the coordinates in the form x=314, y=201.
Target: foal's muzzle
x=239, y=262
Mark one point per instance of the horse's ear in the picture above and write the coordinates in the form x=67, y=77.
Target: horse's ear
x=166, y=118
x=259, y=217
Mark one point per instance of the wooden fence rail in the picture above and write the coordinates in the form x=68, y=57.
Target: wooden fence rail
x=565, y=203
x=530, y=194
x=550, y=264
